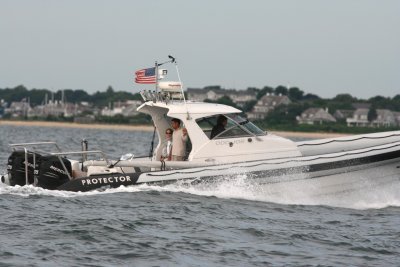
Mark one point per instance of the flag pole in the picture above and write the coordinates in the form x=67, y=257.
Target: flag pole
x=156, y=70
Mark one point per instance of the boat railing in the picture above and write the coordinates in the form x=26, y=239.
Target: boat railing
x=59, y=154
x=161, y=96
x=35, y=144
x=27, y=152
x=25, y=146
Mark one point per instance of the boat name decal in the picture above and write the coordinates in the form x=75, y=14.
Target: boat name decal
x=106, y=180
x=227, y=142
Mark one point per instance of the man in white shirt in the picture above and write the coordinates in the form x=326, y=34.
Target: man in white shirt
x=179, y=139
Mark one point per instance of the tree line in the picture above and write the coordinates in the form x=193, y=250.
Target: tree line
x=37, y=96
x=301, y=100
x=282, y=117
x=103, y=98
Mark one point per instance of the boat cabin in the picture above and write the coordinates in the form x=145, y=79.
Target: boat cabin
x=238, y=137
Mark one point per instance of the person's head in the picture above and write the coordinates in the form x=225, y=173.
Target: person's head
x=168, y=133
x=175, y=123
x=222, y=120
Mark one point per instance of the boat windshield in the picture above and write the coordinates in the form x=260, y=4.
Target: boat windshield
x=246, y=124
x=228, y=126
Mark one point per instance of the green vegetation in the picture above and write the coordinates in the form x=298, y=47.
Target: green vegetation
x=140, y=119
x=97, y=99
x=37, y=96
x=281, y=118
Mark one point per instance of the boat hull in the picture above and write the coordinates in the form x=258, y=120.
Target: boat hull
x=332, y=173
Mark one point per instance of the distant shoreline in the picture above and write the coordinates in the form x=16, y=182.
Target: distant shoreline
x=147, y=128
x=77, y=125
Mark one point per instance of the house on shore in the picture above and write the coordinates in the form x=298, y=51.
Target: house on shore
x=267, y=103
x=239, y=97
x=124, y=108
x=397, y=117
x=384, y=118
x=315, y=116
x=59, y=109
x=19, y=109
x=343, y=114
x=359, y=118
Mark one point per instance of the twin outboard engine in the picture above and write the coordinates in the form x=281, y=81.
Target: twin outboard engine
x=50, y=172
x=45, y=171
x=16, y=168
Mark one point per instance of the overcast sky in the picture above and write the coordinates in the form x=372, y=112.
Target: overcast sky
x=322, y=47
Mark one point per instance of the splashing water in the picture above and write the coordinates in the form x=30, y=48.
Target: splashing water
x=237, y=184
x=236, y=221
x=240, y=186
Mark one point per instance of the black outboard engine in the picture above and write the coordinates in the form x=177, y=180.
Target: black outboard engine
x=16, y=167
x=49, y=172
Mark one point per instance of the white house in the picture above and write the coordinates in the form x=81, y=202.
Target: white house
x=19, y=109
x=360, y=118
x=124, y=108
x=239, y=97
x=315, y=115
x=267, y=103
x=384, y=118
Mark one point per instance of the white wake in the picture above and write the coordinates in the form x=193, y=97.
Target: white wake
x=241, y=187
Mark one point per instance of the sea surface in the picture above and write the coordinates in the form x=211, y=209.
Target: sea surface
x=231, y=224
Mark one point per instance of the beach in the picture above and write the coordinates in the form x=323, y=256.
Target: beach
x=148, y=128
x=77, y=125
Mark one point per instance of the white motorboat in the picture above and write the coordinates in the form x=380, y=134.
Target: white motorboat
x=334, y=165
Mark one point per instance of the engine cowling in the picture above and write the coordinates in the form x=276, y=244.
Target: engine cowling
x=16, y=167
x=49, y=172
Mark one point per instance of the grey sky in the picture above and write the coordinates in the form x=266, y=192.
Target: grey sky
x=323, y=47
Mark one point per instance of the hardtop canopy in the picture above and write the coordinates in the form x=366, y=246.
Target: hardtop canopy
x=181, y=110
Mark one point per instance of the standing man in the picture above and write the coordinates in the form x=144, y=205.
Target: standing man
x=179, y=139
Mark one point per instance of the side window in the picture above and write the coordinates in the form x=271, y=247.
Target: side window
x=232, y=129
x=233, y=132
x=207, y=124
x=225, y=128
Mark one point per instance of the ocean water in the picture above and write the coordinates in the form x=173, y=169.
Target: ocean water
x=229, y=224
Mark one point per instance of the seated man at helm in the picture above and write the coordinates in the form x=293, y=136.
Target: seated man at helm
x=179, y=139
x=219, y=127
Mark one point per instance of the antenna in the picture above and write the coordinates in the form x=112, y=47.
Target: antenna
x=173, y=60
x=156, y=73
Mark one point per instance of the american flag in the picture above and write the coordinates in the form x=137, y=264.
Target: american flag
x=146, y=76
